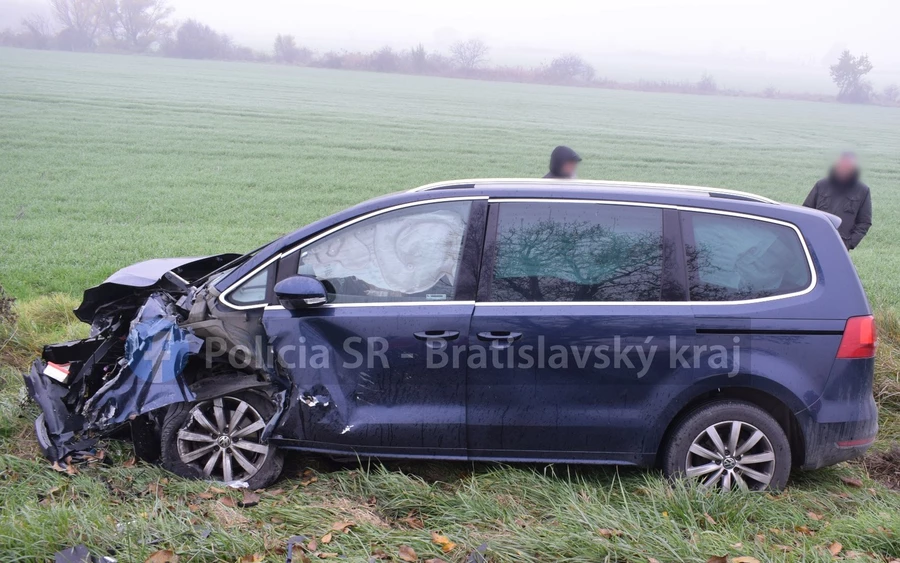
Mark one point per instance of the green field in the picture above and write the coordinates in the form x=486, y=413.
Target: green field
x=107, y=160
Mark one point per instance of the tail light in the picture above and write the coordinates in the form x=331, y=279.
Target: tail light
x=859, y=340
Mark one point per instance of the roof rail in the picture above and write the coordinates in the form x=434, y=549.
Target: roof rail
x=499, y=182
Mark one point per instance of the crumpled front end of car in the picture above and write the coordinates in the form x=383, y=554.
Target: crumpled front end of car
x=147, y=327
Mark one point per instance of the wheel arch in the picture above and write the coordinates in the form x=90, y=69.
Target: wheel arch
x=779, y=410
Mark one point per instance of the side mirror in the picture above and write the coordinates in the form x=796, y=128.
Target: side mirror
x=300, y=292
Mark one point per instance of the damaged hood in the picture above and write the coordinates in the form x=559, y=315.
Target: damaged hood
x=146, y=276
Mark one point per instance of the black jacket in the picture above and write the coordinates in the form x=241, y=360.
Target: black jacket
x=558, y=157
x=851, y=201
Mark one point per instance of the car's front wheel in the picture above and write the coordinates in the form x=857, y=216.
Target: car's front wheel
x=221, y=439
x=729, y=445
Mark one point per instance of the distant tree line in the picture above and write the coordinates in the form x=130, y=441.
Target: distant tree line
x=146, y=27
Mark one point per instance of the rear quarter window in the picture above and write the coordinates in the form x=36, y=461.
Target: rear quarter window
x=735, y=258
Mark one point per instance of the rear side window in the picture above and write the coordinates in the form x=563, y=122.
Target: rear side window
x=558, y=252
x=735, y=258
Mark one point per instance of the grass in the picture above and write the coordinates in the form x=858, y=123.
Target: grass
x=108, y=160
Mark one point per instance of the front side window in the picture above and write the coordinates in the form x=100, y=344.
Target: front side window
x=735, y=258
x=410, y=254
x=560, y=252
x=252, y=291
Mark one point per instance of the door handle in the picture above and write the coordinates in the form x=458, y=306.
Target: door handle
x=437, y=335
x=500, y=335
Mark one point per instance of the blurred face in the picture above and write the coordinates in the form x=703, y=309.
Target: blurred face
x=568, y=169
x=845, y=167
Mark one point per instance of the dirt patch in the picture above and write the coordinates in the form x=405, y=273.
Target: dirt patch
x=7, y=312
x=884, y=467
x=356, y=511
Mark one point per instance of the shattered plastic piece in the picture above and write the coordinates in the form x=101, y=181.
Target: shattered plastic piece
x=315, y=400
x=238, y=484
x=156, y=352
x=294, y=541
x=80, y=554
x=56, y=371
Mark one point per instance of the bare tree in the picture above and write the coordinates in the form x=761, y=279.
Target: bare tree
x=848, y=75
x=80, y=20
x=707, y=83
x=891, y=93
x=286, y=50
x=38, y=30
x=137, y=25
x=569, y=68
x=194, y=40
x=469, y=55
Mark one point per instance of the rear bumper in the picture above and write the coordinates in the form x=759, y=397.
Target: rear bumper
x=828, y=443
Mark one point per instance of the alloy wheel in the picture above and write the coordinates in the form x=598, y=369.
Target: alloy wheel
x=731, y=454
x=222, y=439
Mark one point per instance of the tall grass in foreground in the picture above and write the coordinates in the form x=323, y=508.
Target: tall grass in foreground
x=522, y=513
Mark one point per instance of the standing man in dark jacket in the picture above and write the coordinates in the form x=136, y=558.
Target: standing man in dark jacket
x=563, y=162
x=842, y=194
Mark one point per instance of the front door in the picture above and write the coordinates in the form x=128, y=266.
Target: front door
x=401, y=284
x=575, y=338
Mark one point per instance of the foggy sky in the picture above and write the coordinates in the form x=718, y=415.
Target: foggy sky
x=799, y=31
x=745, y=44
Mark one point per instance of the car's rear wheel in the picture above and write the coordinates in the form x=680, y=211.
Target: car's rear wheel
x=221, y=439
x=729, y=445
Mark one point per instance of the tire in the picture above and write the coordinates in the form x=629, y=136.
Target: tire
x=763, y=460
x=186, y=454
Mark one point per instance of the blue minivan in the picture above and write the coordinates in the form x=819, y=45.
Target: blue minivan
x=719, y=335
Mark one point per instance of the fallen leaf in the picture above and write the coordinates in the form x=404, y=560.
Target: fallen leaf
x=308, y=478
x=435, y=560
x=69, y=469
x=784, y=548
x=413, y=522
x=652, y=560
x=408, y=554
x=255, y=558
x=130, y=463
x=709, y=518
x=745, y=559
x=803, y=530
x=835, y=548
x=446, y=545
x=717, y=559
x=228, y=501
x=326, y=538
x=206, y=496
x=313, y=545
x=193, y=507
x=738, y=545
x=275, y=492
x=162, y=556
x=326, y=555
x=276, y=520
x=156, y=490
x=217, y=490
x=371, y=501
x=249, y=499
x=856, y=483
x=342, y=526
x=607, y=533
x=814, y=516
